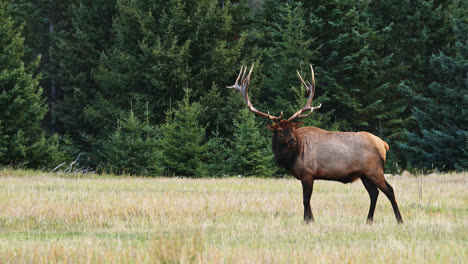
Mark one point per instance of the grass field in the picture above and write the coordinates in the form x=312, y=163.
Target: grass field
x=47, y=218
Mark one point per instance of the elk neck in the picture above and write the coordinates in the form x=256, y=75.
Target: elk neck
x=286, y=155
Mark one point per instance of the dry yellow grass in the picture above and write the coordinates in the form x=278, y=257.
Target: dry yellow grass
x=48, y=218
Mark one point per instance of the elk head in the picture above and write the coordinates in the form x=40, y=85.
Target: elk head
x=283, y=129
x=284, y=132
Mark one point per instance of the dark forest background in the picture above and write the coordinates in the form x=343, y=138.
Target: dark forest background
x=138, y=86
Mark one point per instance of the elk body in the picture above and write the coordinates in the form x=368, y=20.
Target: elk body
x=311, y=153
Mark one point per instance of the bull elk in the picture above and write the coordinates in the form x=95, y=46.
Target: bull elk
x=311, y=153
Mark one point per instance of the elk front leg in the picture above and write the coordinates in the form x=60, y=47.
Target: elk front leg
x=307, y=187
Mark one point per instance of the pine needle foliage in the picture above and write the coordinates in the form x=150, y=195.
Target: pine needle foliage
x=251, y=152
x=441, y=113
x=22, y=107
x=182, y=139
x=132, y=148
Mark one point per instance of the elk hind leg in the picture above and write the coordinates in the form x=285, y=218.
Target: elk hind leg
x=374, y=194
x=387, y=189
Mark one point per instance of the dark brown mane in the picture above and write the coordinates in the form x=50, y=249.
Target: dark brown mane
x=285, y=155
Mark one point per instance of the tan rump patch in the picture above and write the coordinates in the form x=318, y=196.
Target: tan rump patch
x=381, y=145
x=385, y=145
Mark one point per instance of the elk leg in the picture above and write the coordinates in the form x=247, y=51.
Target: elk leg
x=374, y=194
x=388, y=191
x=306, y=194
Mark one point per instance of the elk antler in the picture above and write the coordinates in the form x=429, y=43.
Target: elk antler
x=311, y=91
x=244, y=89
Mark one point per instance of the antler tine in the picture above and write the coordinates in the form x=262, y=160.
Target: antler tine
x=311, y=91
x=250, y=72
x=309, y=87
x=236, y=84
x=312, y=109
x=245, y=84
x=313, y=80
x=243, y=74
x=275, y=118
x=244, y=89
x=239, y=76
x=313, y=75
x=302, y=80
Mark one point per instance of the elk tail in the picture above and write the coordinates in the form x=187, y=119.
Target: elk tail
x=385, y=145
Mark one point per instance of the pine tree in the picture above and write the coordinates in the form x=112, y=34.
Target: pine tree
x=410, y=32
x=351, y=70
x=21, y=103
x=336, y=37
x=43, y=21
x=287, y=47
x=250, y=153
x=182, y=139
x=161, y=47
x=440, y=113
x=219, y=110
x=132, y=148
x=148, y=61
x=215, y=156
x=99, y=58
x=75, y=56
x=34, y=17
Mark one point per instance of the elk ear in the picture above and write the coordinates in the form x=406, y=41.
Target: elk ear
x=297, y=125
x=272, y=127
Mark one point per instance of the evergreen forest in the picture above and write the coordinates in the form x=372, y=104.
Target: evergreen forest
x=138, y=87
